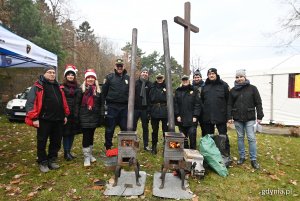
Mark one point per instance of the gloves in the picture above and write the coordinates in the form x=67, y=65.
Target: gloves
x=112, y=152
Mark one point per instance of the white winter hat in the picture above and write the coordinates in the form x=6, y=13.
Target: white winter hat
x=90, y=72
x=241, y=72
x=70, y=68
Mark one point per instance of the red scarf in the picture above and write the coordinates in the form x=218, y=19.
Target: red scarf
x=88, y=97
x=72, y=86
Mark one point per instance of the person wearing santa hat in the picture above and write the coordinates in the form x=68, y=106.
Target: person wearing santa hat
x=88, y=110
x=71, y=90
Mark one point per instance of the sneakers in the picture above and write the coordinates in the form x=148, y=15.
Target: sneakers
x=254, y=164
x=241, y=161
x=53, y=165
x=44, y=167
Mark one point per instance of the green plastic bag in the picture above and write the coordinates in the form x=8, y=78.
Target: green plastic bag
x=212, y=155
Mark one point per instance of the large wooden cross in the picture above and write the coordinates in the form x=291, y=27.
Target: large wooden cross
x=186, y=23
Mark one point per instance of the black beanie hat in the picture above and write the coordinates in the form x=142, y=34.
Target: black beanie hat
x=212, y=70
x=197, y=72
x=48, y=68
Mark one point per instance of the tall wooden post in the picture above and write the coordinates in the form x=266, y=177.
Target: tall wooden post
x=132, y=81
x=170, y=103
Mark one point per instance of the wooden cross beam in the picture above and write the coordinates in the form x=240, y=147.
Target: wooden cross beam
x=188, y=27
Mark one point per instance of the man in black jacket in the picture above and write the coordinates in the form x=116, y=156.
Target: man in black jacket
x=115, y=91
x=47, y=110
x=159, y=111
x=198, y=84
x=214, y=97
x=243, y=100
x=142, y=104
x=187, y=108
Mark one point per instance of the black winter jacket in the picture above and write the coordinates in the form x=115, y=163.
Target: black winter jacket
x=138, y=99
x=115, y=89
x=187, y=104
x=71, y=98
x=243, y=102
x=88, y=118
x=72, y=127
x=52, y=108
x=214, y=97
x=158, y=100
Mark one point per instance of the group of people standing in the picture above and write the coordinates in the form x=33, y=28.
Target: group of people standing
x=59, y=112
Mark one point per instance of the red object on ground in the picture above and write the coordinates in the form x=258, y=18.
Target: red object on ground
x=112, y=152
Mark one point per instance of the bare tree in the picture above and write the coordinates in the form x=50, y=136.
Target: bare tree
x=291, y=23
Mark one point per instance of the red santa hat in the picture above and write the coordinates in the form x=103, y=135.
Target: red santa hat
x=90, y=72
x=70, y=68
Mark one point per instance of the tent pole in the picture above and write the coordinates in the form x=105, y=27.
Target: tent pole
x=272, y=97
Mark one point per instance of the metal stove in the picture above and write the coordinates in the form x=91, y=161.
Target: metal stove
x=173, y=156
x=128, y=146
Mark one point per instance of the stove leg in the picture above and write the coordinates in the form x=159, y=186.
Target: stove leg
x=163, y=177
x=138, y=166
x=117, y=175
x=161, y=170
x=182, y=176
x=137, y=173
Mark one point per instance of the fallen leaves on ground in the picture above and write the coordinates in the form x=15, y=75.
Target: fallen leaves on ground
x=274, y=177
x=294, y=182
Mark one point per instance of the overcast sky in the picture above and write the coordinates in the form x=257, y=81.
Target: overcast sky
x=233, y=33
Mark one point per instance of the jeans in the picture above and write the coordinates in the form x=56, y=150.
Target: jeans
x=144, y=118
x=68, y=142
x=241, y=127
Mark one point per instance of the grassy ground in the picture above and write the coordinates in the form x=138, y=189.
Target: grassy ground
x=20, y=178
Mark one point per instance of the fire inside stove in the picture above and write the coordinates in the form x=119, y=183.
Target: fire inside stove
x=174, y=145
x=127, y=143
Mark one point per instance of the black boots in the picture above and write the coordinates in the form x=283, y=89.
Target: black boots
x=68, y=156
x=254, y=164
x=241, y=161
x=154, y=149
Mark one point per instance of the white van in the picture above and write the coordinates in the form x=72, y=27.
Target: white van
x=15, y=108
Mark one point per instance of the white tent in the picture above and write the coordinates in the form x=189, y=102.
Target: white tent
x=273, y=85
x=16, y=51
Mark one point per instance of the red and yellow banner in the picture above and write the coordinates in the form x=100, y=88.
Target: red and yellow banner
x=297, y=83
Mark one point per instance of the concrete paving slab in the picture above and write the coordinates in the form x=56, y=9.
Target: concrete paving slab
x=126, y=185
x=172, y=188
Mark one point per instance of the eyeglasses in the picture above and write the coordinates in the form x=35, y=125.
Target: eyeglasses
x=50, y=72
x=119, y=65
x=237, y=77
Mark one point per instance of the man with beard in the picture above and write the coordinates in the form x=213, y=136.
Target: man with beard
x=142, y=103
x=198, y=84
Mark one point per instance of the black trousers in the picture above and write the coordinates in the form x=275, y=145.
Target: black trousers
x=52, y=130
x=155, y=127
x=222, y=129
x=115, y=116
x=88, y=137
x=190, y=133
x=144, y=118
